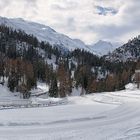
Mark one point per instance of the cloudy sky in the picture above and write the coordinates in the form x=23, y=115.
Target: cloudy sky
x=88, y=20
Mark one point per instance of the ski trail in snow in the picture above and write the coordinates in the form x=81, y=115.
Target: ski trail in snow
x=108, y=116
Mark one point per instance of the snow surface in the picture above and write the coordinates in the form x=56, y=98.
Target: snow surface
x=8, y=98
x=101, y=116
x=41, y=88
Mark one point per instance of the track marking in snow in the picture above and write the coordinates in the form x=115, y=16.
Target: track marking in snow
x=110, y=116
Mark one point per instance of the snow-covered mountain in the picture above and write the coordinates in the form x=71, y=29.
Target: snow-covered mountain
x=44, y=33
x=103, y=47
x=47, y=34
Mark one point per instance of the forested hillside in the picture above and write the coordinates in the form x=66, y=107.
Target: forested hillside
x=128, y=52
x=25, y=60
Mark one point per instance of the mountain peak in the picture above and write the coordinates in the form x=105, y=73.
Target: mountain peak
x=102, y=47
x=47, y=34
x=44, y=33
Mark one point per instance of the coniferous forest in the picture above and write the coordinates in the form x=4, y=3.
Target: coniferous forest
x=25, y=60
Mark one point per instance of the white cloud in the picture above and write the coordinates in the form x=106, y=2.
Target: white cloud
x=79, y=18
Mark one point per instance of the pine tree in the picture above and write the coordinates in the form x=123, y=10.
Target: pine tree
x=64, y=81
x=82, y=76
x=53, y=90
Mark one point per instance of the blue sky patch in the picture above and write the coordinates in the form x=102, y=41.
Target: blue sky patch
x=106, y=10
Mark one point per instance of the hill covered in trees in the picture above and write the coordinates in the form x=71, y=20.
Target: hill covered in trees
x=128, y=52
x=25, y=60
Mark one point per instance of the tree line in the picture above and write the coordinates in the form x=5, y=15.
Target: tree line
x=25, y=60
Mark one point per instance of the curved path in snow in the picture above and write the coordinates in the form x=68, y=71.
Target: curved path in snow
x=106, y=116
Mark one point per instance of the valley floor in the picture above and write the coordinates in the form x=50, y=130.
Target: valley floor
x=103, y=116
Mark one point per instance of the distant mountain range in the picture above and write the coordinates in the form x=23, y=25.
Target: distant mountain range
x=47, y=34
x=103, y=47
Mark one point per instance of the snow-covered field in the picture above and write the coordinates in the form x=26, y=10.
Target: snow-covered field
x=103, y=116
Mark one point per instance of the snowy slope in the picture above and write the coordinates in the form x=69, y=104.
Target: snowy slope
x=102, y=116
x=127, y=52
x=103, y=47
x=47, y=34
x=44, y=33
